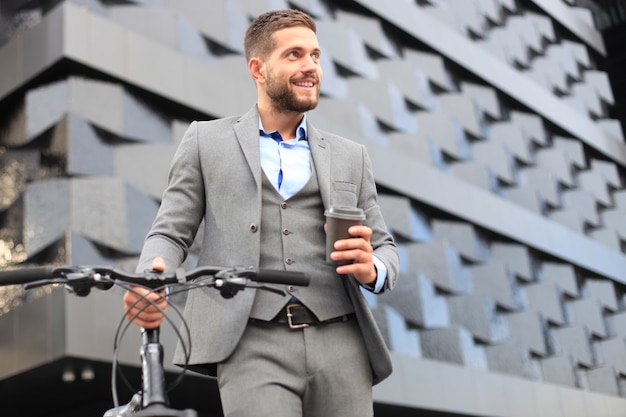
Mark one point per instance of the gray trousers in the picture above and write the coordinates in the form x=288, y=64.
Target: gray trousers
x=318, y=371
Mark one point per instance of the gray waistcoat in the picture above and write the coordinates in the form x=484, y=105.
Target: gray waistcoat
x=293, y=239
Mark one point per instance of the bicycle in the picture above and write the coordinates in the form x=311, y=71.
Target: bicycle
x=152, y=400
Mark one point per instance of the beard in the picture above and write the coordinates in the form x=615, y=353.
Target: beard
x=285, y=100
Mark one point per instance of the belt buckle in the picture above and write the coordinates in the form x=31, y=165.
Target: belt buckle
x=290, y=318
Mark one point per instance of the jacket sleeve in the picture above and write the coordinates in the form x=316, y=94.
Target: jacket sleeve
x=382, y=242
x=181, y=210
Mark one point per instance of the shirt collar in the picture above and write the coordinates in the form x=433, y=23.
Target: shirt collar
x=302, y=132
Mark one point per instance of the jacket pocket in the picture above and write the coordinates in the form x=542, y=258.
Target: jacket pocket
x=344, y=194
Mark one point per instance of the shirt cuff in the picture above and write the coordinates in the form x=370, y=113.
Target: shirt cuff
x=381, y=276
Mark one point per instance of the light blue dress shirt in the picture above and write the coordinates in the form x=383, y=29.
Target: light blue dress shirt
x=287, y=164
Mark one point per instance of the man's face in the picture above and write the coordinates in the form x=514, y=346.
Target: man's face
x=293, y=71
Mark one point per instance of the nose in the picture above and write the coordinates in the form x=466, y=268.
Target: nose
x=311, y=65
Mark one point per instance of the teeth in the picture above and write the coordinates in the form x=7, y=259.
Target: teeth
x=305, y=84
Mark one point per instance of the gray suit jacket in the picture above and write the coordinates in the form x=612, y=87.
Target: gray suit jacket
x=216, y=176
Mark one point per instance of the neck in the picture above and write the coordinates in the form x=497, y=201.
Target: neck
x=285, y=122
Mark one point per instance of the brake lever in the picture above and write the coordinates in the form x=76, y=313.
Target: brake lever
x=43, y=283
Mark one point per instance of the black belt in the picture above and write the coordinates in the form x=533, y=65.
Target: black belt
x=297, y=316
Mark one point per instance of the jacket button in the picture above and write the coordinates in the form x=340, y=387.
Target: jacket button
x=253, y=228
x=288, y=261
x=285, y=231
x=283, y=205
x=291, y=288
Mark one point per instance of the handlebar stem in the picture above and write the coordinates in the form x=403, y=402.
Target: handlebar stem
x=152, y=369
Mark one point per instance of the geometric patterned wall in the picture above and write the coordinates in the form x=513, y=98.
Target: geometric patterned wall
x=501, y=174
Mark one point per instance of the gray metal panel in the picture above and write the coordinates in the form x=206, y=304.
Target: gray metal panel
x=559, y=370
x=554, y=160
x=45, y=106
x=516, y=257
x=445, y=132
x=142, y=122
x=480, y=316
x=225, y=22
x=403, y=219
x=545, y=298
x=398, y=336
x=88, y=97
x=346, y=48
x=497, y=158
x=563, y=275
x=143, y=166
x=411, y=80
x=613, y=354
x=513, y=358
x=497, y=281
x=440, y=263
x=154, y=22
x=32, y=334
x=383, y=98
x=121, y=223
x=527, y=327
x=453, y=344
x=371, y=31
x=566, y=16
x=46, y=214
x=575, y=341
x=475, y=174
x=417, y=302
x=464, y=237
x=86, y=154
x=604, y=380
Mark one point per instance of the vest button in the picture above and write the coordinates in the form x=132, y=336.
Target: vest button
x=283, y=205
x=291, y=288
x=285, y=231
x=253, y=228
x=288, y=261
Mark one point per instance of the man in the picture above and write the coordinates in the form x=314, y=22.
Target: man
x=261, y=183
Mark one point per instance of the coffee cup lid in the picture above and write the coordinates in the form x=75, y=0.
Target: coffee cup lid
x=342, y=212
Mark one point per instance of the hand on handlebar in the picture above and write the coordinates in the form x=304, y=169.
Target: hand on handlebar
x=137, y=303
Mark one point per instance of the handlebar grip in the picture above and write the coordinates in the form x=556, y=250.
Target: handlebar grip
x=272, y=276
x=26, y=275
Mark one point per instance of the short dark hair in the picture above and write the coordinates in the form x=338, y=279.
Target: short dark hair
x=258, y=40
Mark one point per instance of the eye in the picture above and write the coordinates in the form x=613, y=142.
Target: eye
x=315, y=56
x=293, y=54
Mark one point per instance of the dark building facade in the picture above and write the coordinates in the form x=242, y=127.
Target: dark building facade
x=494, y=129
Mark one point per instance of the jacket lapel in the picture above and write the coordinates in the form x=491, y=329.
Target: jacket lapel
x=247, y=133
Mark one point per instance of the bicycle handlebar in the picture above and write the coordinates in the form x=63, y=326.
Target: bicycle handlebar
x=153, y=279
x=26, y=275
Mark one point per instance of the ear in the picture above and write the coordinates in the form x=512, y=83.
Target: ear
x=257, y=70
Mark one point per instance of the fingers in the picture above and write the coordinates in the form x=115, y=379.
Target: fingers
x=144, y=307
x=358, y=250
x=158, y=264
x=357, y=247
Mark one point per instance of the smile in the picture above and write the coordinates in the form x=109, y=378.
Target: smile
x=305, y=84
